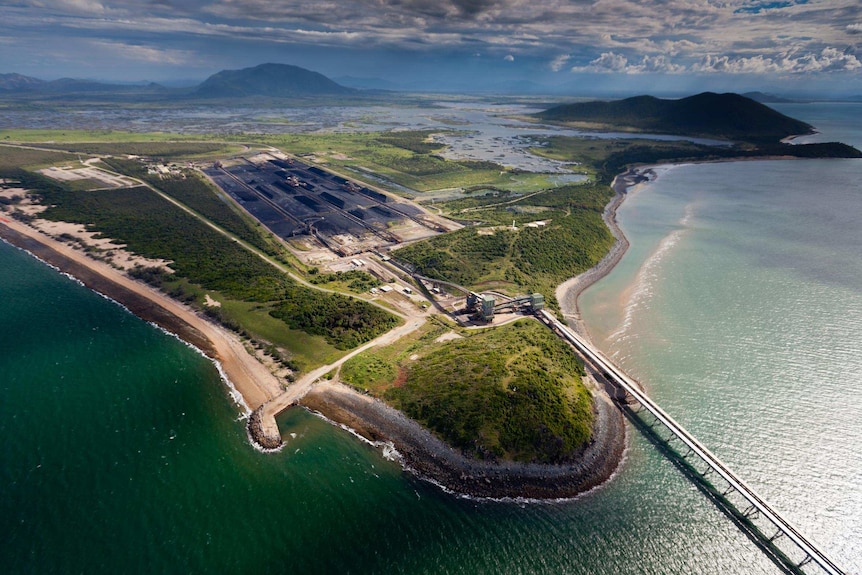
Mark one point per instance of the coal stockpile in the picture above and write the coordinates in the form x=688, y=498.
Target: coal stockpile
x=281, y=164
x=332, y=199
x=383, y=211
x=318, y=171
x=245, y=196
x=264, y=191
x=339, y=180
x=335, y=224
x=309, y=202
x=374, y=195
x=359, y=213
x=284, y=186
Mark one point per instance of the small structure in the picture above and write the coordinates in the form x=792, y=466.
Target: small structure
x=537, y=302
x=486, y=309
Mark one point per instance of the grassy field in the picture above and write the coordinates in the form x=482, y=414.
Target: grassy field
x=405, y=158
x=105, y=136
x=526, y=259
x=512, y=392
x=12, y=158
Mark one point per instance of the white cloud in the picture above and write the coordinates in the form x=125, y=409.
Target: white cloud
x=560, y=62
x=791, y=62
x=607, y=62
x=855, y=28
x=509, y=58
x=610, y=62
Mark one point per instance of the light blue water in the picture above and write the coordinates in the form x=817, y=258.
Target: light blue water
x=739, y=306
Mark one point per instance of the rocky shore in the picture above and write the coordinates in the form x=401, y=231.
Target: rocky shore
x=429, y=458
x=258, y=434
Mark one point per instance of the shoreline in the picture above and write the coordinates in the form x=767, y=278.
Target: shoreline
x=568, y=292
x=243, y=375
x=421, y=453
x=428, y=458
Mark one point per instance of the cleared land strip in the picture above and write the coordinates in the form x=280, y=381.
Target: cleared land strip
x=295, y=391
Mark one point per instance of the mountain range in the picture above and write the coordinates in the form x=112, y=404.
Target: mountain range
x=265, y=80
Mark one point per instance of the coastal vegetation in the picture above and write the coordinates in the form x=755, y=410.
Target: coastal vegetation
x=509, y=393
x=606, y=158
x=202, y=260
x=557, y=235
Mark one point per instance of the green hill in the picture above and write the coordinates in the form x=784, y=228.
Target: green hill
x=725, y=116
x=268, y=80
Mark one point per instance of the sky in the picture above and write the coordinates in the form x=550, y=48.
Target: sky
x=588, y=46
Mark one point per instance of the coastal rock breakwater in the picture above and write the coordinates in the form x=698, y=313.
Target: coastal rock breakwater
x=258, y=434
x=429, y=458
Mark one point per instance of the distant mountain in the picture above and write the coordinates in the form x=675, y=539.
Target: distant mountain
x=768, y=98
x=19, y=83
x=270, y=80
x=726, y=116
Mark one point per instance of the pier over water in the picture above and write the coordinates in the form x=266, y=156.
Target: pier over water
x=754, y=506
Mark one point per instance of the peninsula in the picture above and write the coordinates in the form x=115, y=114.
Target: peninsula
x=301, y=310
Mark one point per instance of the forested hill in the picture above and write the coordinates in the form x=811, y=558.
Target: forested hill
x=269, y=80
x=724, y=116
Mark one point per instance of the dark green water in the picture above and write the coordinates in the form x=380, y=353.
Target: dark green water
x=123, y=452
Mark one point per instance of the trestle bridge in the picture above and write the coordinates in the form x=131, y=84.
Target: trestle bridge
x=756, y=505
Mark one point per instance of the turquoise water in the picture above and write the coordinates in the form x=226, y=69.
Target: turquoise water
x=123, y=451
x=739, y=306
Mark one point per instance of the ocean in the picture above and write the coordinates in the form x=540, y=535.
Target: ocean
x=739, y=307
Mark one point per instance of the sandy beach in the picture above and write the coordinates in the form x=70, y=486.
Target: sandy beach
x=254, y=383
x=567, y=293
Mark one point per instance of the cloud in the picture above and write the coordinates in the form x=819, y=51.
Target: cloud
x=610, y=62
x=793, y=62
x=610, y=36
x=560, y=62
x=144, y=53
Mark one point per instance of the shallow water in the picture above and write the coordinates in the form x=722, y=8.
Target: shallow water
x=739, y=306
